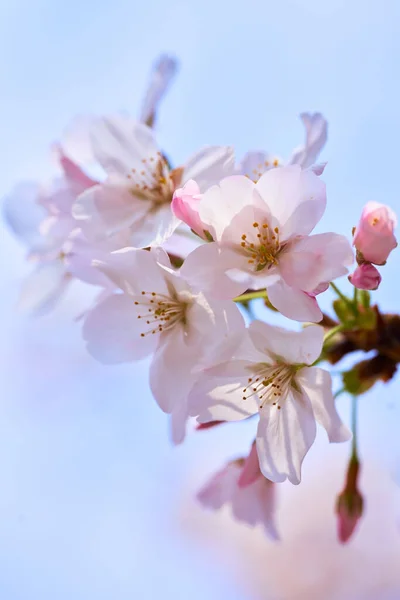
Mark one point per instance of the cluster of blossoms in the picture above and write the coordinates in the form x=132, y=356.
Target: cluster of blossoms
x=179, y=253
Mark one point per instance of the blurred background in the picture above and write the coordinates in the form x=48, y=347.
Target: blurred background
x=94, y=501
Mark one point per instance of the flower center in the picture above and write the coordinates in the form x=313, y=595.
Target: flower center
x=261, y=252
x=160, y=312
x=155, y=183
x=262, y=168
x=270, y=383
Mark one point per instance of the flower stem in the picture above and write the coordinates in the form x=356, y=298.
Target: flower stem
x=333, y=332
x=344, y=298
x=251, y=296
x=354, y=415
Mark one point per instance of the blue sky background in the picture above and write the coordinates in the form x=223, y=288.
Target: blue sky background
x=94, y=501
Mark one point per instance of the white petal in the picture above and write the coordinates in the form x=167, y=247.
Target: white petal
x=162, y=74
x=220, y=398
x=23, y=214
x=317, y=384
x=284, y=437
x=296, y=198
x=42, y=289
x=294, y=303
x=295, y=347
x=209, y=165
x=206, y=268
x=107, y=208
x=121, y=143
x=221, y=203
x=316, y=259
x=178, y=423
x=171, y=377
x=112, y=332
x=133, y=271
x=316, y=128
x=155, y=228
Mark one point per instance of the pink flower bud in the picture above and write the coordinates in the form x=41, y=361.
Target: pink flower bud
x=366, y=277
x=374, y=237
x=185, y=206
x=349, y=505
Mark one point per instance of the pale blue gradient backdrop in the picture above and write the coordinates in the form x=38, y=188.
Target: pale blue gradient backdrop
x=90, y=487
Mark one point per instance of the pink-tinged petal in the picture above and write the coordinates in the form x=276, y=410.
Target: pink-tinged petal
x=316, y=259
x=295, y=347
x=316, y=128
x=294, y=303
x=222, y=202
x=112, y=332
x=209, y=165
x=253, y=505
x=43, y=288
x=171, y=377
x=105, y=209
x=121, y=143
x=162, y=74
x=185, y=206
x=77, y=179
x=206, y=268
x=23, y=214
x=251, y=468
x=255, y=164
x=374, y=236
x=296, y=198
x=317, y=384
x=366, y=277
x=318, y=169
x=79, y=257
x=134, y=271
x=220, y=488
x=284, y=437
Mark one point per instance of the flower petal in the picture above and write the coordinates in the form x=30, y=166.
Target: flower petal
x=112, y=332
x=284, y=437
x=206, y=268
x=171, y=377
x=121, y=143
x=133, y=271
x=43, y=288
x=163, y=72
x=23, y=214
x=221, y=203
x=294, y=303
x=316, y=135
x=316, y=259
x=209, y=165
x=295, y=347
x=296, y=198
x=317, y=384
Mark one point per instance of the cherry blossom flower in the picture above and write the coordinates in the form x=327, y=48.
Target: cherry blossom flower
x=366, y=277
x=261, y=232
x=268, y=371
x=41, y=217
x=255, y=164
x=158, y=312
x=252, y=503
x=374, y=236
x=140, y=183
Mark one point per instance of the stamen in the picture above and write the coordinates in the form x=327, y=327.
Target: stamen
x=162, y=312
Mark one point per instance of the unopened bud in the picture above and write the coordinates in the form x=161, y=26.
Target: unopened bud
x=349, y=504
